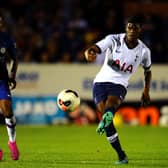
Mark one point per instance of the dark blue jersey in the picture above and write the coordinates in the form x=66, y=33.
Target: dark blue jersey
x=7, y=52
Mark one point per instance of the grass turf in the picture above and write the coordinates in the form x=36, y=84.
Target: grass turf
x=80, y=147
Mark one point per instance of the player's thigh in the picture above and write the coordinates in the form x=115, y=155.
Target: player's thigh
x=99, y=93
x=99, y=96
x=113, y=101
x=100, y=107
x=115, y=95
x=6, y=107
x=5, y=98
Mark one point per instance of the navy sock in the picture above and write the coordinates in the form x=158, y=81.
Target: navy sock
x=117, y=146
x=111, y=109
x=112, y=136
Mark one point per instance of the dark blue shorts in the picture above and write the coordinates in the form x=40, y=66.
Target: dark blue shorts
x=104, y=89
x=4, y=90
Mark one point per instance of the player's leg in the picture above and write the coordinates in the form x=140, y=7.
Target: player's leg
x=109, y=104
x=112, y=136
x=99, y=97
x=112, y=104
x=113, y=139
x=6, y=107
x=116, y=95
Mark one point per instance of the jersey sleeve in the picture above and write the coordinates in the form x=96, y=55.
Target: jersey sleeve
x=146, y=62
x=107, y=42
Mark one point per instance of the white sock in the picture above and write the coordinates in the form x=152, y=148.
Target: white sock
x=10, y=125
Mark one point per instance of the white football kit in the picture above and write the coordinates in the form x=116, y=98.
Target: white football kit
x=129, y=60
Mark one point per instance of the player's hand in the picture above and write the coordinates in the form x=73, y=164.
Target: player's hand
x=90, y=55
x=105, y=122
x=12, y=83
x=145, y=99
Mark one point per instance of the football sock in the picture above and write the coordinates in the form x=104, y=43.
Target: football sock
x=112, y=137
x=10, y=125
x=115, y=143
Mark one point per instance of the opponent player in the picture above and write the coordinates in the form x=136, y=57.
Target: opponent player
x=7, y=82
x=124, y=53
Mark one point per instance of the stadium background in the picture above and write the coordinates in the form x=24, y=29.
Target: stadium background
x=51, y=37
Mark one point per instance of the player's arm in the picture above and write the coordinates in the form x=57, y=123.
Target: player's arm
x=91, y=53
x=14, y=64
x=12, y=75
x=14, y=68
x=145, y=100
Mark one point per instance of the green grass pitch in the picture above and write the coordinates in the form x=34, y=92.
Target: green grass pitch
x=80, y=147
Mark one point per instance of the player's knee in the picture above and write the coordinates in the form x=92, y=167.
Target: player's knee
x=111, y=109
x=8, y=114
x=113, y=102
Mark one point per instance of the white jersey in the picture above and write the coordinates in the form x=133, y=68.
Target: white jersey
x=129, y=60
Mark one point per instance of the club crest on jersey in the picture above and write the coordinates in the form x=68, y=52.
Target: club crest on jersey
x=118, y=51
x=2, y=50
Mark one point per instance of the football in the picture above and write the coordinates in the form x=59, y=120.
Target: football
x=68, y=100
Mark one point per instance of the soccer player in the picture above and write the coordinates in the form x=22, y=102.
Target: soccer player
x=125, y=52
x=7, y=83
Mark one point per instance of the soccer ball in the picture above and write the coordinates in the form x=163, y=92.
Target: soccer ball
x=68, y=100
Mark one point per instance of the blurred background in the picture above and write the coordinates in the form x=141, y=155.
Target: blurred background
x=51, y=37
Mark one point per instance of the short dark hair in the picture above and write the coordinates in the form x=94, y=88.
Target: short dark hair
x=137, y=19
